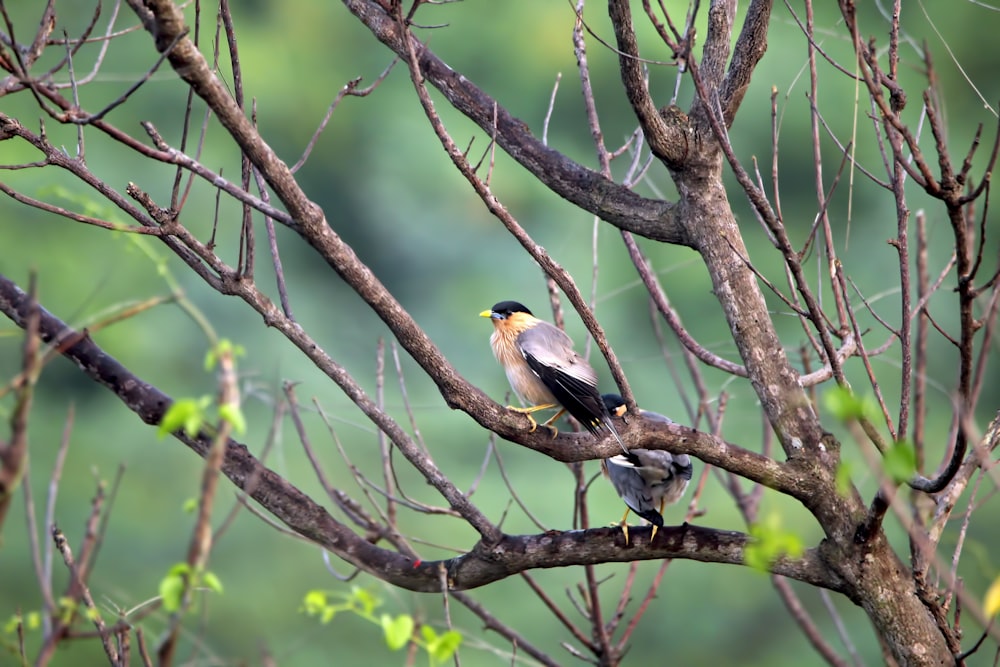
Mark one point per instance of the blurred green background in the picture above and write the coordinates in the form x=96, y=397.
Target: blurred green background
x=390, y=191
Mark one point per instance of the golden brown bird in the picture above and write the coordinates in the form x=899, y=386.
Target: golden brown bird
x=544, y=370
x=645, y=478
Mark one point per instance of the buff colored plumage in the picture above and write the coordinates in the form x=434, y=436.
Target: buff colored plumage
x=544, y=370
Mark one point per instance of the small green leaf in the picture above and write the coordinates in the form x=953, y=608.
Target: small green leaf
x=364, y=599
x=398, y=631
x=845, y=405
x=172, y=592
x=900, y=461
x=172, y=586
x=185, y=413
x=314, y=602
x=211, y=359
x=11, y=624
x=991, y=601
x=428, y=633
x=210, y=581
x=179, y=570
x=224, y=347
x=30, y=621
x=67, y=607
x=444, y=646
x=233, y=415
x=843, y=478
x=190, y=505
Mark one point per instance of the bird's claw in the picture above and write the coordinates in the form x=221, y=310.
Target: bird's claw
x=534, y=424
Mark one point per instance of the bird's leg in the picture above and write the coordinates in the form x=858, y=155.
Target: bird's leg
x=663, y=502
x=527, y=413
x=625, y=523
x=548, y=423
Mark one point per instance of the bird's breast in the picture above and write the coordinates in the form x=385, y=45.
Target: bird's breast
x=528, y=387
x=526, y=384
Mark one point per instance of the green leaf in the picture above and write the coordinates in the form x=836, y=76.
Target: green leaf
x=900, y=461
x=211, y=359
x=398, y=631
x=365, y=599
x=30, y=621
x=442, y=648
x=172, y=591
x=233, y=415
x=10, y=626
x=428, y=633
x=223, y=348
x=845, y=405
x=33, y=620
x=172, y=586
x=67, y=608
x=185, y=413
x=210, y=581
x=314, y=602
x=190, y=505
x=991, y=601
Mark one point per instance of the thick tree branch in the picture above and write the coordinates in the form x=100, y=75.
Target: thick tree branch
x=458, y=393
x=666, y=134
x=749, y=49
x=718, y=42
x=584, y=187
x=485, y=564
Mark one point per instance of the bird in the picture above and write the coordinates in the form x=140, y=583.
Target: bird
x=544, y=370
x=645, y=478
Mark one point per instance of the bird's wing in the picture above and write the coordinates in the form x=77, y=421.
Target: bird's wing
x=550, y=355
x=635, y=492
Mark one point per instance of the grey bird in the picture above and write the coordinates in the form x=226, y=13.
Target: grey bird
x=544, y=370
x=646, y=478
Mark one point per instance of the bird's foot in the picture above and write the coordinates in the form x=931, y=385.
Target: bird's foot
x=549, y=422
x=534, y=424
x=527, y=413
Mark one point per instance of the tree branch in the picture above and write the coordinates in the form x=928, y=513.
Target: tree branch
x=749, y=49
x=583, y=187
x=486, y=563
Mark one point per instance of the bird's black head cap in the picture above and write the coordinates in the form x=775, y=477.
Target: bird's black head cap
x=612, y=402
x=506, y=308
x=615, y=405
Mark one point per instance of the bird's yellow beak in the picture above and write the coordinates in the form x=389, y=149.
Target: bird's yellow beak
x=486, y=313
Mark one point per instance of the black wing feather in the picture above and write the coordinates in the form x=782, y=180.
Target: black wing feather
x=581, y=399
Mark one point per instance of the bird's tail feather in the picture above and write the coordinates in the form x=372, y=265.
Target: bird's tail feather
x=614, y=432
